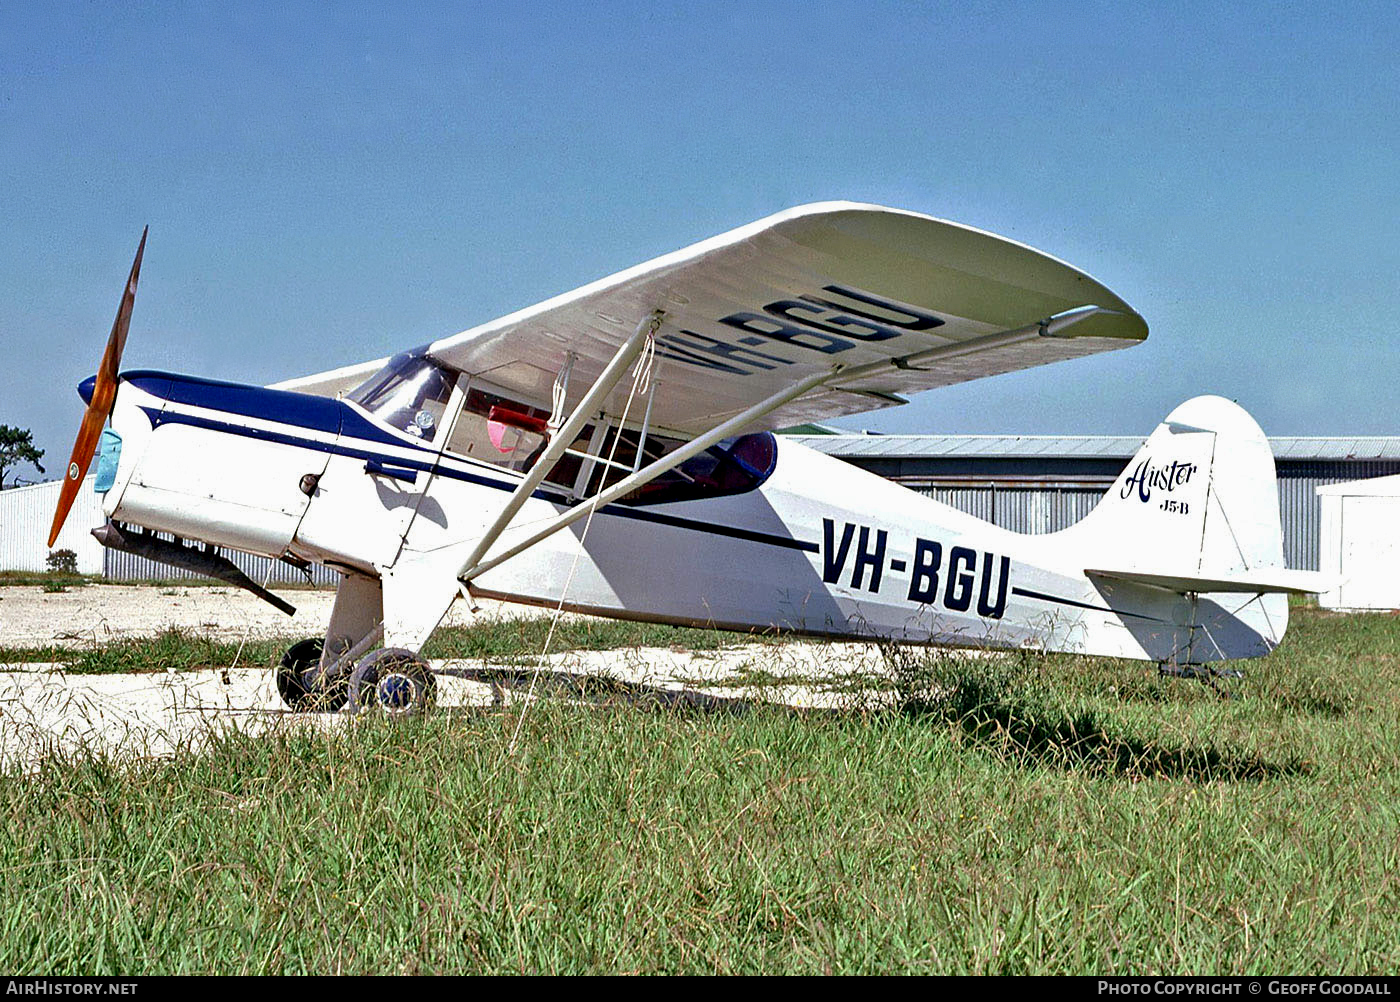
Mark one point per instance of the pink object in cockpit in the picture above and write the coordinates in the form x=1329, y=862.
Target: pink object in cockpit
x=497, y=431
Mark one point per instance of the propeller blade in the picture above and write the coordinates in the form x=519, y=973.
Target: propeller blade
x=88, y=434
x=104, y=395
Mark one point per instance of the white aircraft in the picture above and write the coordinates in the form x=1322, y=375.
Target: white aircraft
x=609, y=451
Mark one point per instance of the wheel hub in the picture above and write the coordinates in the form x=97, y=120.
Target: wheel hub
x=393, y=681
x=395, y=692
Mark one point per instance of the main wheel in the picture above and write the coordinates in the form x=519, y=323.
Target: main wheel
x=297, y=674
x=393, y=680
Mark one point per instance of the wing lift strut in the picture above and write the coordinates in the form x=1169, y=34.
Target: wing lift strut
x=478, y=562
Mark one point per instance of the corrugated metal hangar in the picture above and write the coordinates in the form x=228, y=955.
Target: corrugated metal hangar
x=25, y=516
x=1041, y=483
x=1028, y=483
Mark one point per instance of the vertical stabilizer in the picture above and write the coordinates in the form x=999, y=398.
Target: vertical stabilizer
x=1196, y=512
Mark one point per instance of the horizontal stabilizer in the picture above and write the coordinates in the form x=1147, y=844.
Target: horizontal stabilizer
x=1260, y=581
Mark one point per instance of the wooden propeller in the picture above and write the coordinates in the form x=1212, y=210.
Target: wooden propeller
x=104, y=395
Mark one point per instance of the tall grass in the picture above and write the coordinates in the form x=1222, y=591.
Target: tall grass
x=1035, y=815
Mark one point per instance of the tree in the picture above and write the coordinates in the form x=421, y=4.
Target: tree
x=16, y=447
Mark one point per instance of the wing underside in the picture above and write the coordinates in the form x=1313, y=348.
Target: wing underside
x=888, y=302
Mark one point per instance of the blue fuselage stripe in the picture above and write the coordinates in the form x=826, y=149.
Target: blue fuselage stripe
x=1055, y=599
x=322, y=414
x=341, y=447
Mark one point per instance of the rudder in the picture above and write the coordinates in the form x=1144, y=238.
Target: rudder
x=1201, y=495
x=1196, y=511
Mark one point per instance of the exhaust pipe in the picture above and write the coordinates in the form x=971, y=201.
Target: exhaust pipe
x=206, y=562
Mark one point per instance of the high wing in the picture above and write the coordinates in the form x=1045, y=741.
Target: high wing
x=887, y=302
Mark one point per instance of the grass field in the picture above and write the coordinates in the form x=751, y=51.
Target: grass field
x=48, y=580
x=1046, y=814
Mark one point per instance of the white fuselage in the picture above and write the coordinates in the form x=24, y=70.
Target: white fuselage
x=820, y=547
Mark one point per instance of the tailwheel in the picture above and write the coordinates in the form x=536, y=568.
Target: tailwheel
x=297, y=680
x=393, y=680
x=1207, y=675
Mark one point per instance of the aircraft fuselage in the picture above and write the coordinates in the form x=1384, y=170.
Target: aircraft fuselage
x=819, y=547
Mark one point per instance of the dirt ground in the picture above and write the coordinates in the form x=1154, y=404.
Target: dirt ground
x=43, y=709
x=32, y=617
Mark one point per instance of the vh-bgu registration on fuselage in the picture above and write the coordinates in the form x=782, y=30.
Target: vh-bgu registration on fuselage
x=610, y=451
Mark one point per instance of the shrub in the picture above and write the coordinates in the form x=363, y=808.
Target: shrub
x=63, y=562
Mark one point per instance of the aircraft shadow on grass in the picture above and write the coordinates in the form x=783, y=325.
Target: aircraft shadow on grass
x=1023, y=736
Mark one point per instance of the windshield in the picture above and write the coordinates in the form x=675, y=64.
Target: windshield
x=410, y=393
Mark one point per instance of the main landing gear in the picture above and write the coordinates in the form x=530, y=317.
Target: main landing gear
x=392, y=680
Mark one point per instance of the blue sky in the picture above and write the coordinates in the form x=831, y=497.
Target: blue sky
x=329, y=183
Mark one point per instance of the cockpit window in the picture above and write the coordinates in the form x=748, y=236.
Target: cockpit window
x=410, y=393
x=498, y=430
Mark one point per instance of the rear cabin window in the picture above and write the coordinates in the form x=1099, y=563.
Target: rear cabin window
x=731, y=466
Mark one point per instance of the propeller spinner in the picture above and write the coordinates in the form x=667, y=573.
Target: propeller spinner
x=104, y=395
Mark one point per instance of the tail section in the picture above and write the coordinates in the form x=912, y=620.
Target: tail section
x=1198, y=501
x=1196, y=512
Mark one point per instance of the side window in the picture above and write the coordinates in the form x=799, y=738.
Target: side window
x=496, y=430
x=731, y=466
x=504, y=432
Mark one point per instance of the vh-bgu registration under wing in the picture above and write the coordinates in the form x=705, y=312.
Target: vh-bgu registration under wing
x=610, y=450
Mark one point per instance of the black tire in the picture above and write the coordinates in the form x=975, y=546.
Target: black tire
x=296, y=670
x=394, y=681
